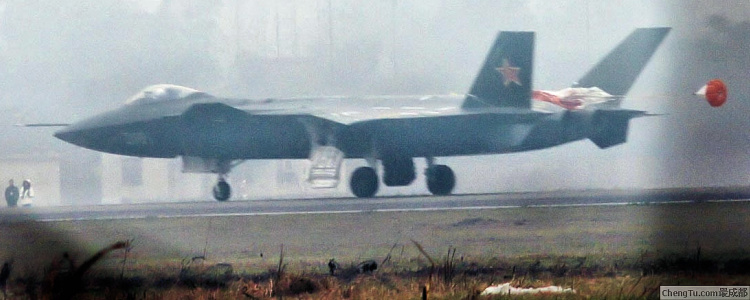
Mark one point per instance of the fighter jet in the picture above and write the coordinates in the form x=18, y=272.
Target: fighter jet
x=213, y=134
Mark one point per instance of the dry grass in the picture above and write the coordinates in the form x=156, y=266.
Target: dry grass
x=592, y=277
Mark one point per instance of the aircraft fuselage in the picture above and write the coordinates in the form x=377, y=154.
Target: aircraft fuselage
x=172, y=129
x=496, y=116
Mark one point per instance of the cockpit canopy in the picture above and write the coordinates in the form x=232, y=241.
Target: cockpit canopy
x=160, y=93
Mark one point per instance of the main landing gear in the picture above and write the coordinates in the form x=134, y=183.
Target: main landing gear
x=400, y=172
x=440, y=180
x=364, y=182
x=222, y=191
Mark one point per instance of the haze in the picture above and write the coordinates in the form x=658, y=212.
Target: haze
x=63, y=61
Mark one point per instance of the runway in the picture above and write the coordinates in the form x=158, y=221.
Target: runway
x=351, y=230
x=379, y=204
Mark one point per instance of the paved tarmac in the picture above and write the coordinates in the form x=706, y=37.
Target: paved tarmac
x=554, y=223
x=378, y=204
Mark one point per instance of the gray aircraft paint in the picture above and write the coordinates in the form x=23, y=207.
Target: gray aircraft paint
x=494, y=118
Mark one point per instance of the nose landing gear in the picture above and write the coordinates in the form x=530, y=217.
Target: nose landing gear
x=194, y=164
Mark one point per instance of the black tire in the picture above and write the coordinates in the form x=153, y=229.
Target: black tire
x=398, y=172
x=364, y=182
x=440, y=180
x=222, y=191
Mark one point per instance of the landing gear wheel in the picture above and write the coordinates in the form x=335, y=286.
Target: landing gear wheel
x=398, y=172
x=364, y=182
x=222, y=191
x=440, y=180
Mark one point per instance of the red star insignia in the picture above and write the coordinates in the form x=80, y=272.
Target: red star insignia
x=510, y=73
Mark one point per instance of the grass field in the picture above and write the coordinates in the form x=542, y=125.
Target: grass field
x=596, y=249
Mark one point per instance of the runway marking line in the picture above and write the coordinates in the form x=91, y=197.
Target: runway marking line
x=384, y=210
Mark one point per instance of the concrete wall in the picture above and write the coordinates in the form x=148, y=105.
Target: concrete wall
x=88, y=178
x=138, y=180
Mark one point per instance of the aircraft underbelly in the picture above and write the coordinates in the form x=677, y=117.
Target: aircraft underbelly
x=450, y=136
x=474, y=135
x=558, y=130
x=248, y=137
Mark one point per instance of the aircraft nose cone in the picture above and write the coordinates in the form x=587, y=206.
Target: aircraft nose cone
x=88, y=133
x=75, y=137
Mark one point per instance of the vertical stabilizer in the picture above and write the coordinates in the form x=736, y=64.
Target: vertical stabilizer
x=505, y=77
x=617, y=72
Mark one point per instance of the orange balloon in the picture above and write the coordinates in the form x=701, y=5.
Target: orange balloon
x=716, y=92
